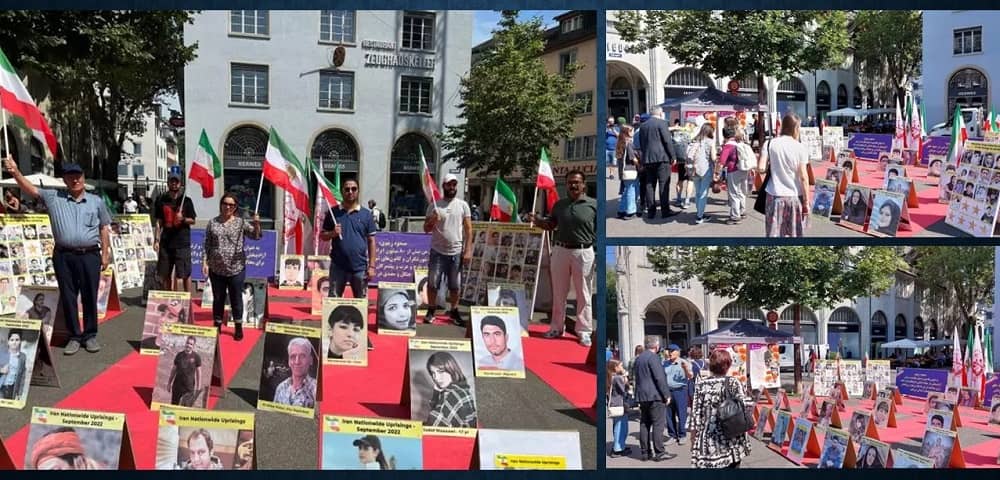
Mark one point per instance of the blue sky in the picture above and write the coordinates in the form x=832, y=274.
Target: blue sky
x=486, y=22
x=609, y=256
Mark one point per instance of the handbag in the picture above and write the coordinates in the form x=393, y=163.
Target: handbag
x=760, y=203
x=629, y=173
x=734, y=420
x=615, y=412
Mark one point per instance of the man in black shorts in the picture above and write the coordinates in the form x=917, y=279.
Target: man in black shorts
x=173, y=235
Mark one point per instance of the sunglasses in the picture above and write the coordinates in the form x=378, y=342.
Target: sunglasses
x=350, y=189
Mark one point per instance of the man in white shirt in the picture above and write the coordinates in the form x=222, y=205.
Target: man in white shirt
x=131, y=206
x=500, y=356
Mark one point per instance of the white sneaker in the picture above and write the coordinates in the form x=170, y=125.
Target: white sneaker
x=585, y=339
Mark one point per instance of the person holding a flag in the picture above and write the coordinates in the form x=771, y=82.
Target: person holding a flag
x=81, y=228
x=449, y=221
x=174, y=214
x=351, y=231
x=574, y=223
x=225, y=260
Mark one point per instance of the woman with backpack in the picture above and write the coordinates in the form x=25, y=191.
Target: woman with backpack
x=736, y=160
x=701, y=152
x=711, y=447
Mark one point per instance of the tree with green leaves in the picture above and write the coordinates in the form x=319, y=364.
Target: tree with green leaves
x=101, y=71
x=888, y=50
x=955, y=280
x=740, y=43
x=770, y=277
x=510, y=105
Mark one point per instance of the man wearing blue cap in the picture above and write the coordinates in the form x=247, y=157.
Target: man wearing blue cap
x=678, y=372
x=80, y=227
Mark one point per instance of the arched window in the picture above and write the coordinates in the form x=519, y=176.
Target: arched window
x=822, y=97
x=968, y=88
x=243, y=156
x=900, y=327
x=688, y=77
x=918, y=328
x=859, y=97
x=406, y=196
x=841, y=96
x=336, y=147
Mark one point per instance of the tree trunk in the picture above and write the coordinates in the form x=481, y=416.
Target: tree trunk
x=761, y=99
x=798, y=349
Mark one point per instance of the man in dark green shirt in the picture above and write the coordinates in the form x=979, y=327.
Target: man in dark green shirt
x=574, y=229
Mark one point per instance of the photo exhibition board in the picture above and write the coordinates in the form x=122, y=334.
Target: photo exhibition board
x=343, y=438
x=25, y=244
x=443, y=386
x=973, y=200
x=22, y=340
x=131, y=248
x=184, y=431
x=100, y=440
x=503, y=253
x=529, y=450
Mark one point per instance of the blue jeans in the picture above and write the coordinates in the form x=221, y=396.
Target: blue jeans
x=609, y=158
x=78, y=274
x=339, y=279
x=627, y=205
x=620, y=428
x=221, y=285
x=702, y=185
x=444, y=266
x=677, y=413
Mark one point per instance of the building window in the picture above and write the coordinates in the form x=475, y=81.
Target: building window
x=415, y=95
x=249, y=22
x=566, y=59
x=587, y=98
x=249, y=84
x=418, y=31
x=137, y=149
x=336, y=26
x=139, y=170
x=580, y=148
x=336, y=90
x=571, y=24
x=122, y=170
x=405, y=197
x=968, y=40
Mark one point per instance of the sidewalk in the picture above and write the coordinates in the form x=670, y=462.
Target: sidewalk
x=717, y=210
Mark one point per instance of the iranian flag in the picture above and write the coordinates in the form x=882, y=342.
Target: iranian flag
x=978, y=378
x=899, y=139
x=546, y=180
x=957, y=365
x=431, y=192
x=914, y=139
x=504, y=206
x=988, y=121
x=14, y=99
x=283, y=169
x=326, y=189
x=206, y=167
x=959, y=134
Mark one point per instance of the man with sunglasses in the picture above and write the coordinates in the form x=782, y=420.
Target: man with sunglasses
x=174, y=214
x=351, y=232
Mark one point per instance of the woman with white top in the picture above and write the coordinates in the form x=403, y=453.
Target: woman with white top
x=788, y=199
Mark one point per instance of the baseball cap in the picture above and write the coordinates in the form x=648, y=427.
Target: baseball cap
x=672, y=347
x=72, y=168
x=368, y=441
x=644, y=117
x=174, y=176
x=451, y=177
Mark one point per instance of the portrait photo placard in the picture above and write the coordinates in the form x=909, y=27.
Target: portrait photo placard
x=77, y=440
x=289, y=375
x=496, y=340
x=510, y=295
x=397, y=309
x=131, y=248
x=26, y=246
x=442, y=386
x=887, y=210
x=780, y=432
x=19, y=346
x=938, y=445
x=529, y=450
x=292, y=275
x=802, y=430
x=205, y=440
x=186, y=366
x=361, y=443
x=995, y=410
x=879, y=372
x=318, y=280
x=838, y=451
x=872, y=454
x=163, y=308
x=503, y=253
x=345, y=331
x=254, y=302
x=38, y=303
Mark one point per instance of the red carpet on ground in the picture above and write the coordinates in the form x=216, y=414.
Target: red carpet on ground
x=912, y=425
x=928, y=213
x=133, y=397
x=346, y=390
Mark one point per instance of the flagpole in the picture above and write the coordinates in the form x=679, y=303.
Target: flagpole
x=256, y=209
x=6, y=142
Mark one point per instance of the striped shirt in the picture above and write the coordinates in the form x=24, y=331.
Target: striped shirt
x=75, y=224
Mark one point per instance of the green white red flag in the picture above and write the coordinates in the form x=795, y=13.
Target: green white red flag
x=546, y=180
x=16, y=101
x=206, y=167
x=504, y=208
x=431, y=191
x=284, y=170
x=959, y=134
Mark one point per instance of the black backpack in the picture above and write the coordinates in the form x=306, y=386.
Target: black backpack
x=734, y=420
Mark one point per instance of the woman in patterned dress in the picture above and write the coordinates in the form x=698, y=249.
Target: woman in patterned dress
x=788, y=196
x=224, y=261
x=709, y=447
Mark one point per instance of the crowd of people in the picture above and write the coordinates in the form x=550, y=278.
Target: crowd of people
x=677, y=396
x=648, y=153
